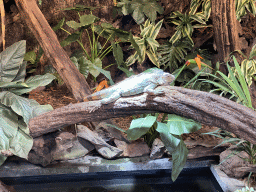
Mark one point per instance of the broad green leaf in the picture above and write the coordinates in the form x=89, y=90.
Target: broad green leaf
x=40, y=109
x=59, y=25
x=170, y=141
x=20, y=105
x=140, y=127
x=151, y=8
x=13, y=85
x=138, y=15
x=8, y=121
x=21, y=73
x=30, y=56
x=92, y=69
x=11, y=61
x=21, y=144
x=4, y=144
x=106, y=73
x=83, y=66
x=118, y=54
x=34, y=82
x=153, y=43
x=75, y=61
x=178, y=125
x=87, y=20
x=179, y=158
x=74, y=24
x=70, y=39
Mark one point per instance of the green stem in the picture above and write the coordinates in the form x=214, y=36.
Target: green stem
x=90, y=43
x=65, y=31
x=105, y=52
x=81, y=44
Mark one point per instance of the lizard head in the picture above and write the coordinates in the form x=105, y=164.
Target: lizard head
x=166, y=79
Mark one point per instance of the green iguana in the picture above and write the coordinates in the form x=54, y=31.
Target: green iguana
x=145, y=82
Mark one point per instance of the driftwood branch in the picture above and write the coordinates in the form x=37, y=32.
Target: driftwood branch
x=48, y=40
x=201, y=106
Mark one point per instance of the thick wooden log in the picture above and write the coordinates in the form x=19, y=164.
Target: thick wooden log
x=204, y=107
x=48, y=40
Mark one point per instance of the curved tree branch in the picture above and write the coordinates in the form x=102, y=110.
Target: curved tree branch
x=201, y=106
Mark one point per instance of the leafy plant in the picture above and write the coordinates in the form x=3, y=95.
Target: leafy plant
x=235, y=86
x=170, y=131
x=171, y=55
x=185, y=25
x=16, y=111
x=205, y=8
x=147, y=44
x=141, y=8
x=242, y=6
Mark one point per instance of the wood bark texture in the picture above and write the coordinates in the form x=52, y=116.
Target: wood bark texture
x=48, y=40
x=226, y=28
x=204, y=107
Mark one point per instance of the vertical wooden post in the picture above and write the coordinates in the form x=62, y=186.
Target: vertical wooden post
x=226, y=28
x=46, y=37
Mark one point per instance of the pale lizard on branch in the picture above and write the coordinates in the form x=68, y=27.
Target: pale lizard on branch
x=145, y=82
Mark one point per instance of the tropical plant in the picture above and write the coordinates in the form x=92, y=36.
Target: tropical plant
x=16, y=111
x=171, y=55
x=242, y=6
x=170, y=131
x=147, y=44
x=185, y=25
x=236, y=87
x=205, y=8
x=141, y=8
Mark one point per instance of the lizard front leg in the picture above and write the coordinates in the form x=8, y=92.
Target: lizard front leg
x=150, y=89
x=112, y=98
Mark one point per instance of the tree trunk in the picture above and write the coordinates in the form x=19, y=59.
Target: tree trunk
x=48, y=40
x=203, y=107
x=226, y=29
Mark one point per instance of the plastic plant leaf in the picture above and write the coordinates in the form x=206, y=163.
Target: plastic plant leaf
x=92, y=68
x=170, y=141
x=34, y=82
x=151, y=8
x=140, y=127
x=20, y=105
x=59, y=25
x=13, y=85
x=106, y=73
x=30, y=56
x=118, y=54
x=178, y=125
x=11, y=60
x=22, y=143
x=83, y=66
x=8, y=121
x=70, y=39
x=74, y=24
x=135, y=45
x=243, y=83
x=138, y=15
x=4, y=145
x=87, y=20
x=179, y=158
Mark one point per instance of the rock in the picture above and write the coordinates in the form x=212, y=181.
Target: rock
x=68, y=147
x=134, y=149
x=101, y=146
x=5, y=188
x=157, y=150
x=41, y=150
x=107, y=132
x=231, y=165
